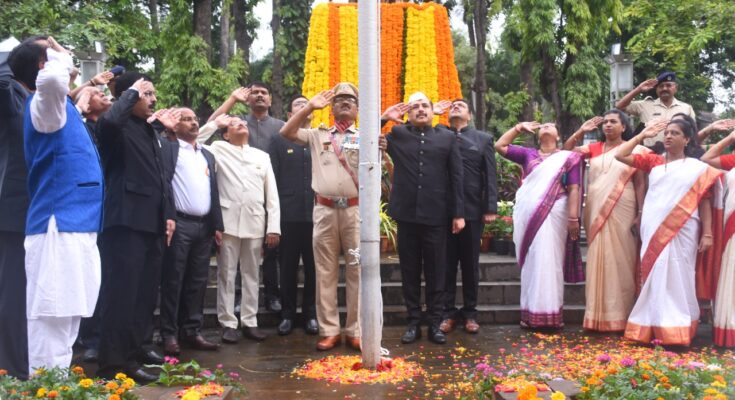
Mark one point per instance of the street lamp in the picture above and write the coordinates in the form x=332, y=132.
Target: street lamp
x=92, y=62
x=621, y=72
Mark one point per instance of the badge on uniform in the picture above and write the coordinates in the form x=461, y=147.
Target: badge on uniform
x=289, y=151
x=351, y=142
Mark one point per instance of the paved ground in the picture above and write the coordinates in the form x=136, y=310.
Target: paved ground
x=266, y=367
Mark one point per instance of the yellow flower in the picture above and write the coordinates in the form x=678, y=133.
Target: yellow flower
x=41, y=392
x=113, y=397
x=191, y=396
x=711, y=391
x=86, y=383
x=719, y=384
x=64, y=388
x=558, y=396
x=120, y=376
x=585, y=389
x=128, y=383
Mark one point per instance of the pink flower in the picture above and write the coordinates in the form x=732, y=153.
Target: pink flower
x=171, y=360
x=206, y=373
x=234, y=375
x=220, y=366
x=627, y=362
x=603, y=358
x=657, y=342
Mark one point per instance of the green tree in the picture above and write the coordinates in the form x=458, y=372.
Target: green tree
x=290, y=27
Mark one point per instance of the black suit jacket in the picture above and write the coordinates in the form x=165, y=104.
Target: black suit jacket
x=13, y=172
x=137, y=195
x=480, y=187
x=292, y=168
x=171, y=156
x=428, y=174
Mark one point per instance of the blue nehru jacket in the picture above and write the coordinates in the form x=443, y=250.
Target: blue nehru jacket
x=64, y=176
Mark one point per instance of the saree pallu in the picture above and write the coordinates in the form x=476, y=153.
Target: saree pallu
x=724, y=305
x=540, y=236
x=667, y=308
x=609, y=214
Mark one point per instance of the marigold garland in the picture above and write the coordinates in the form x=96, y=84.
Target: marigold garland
x=416, y=53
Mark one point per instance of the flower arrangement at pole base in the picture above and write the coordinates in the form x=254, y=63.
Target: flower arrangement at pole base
x=349, y=370
x=197, y=381
x=66, y=383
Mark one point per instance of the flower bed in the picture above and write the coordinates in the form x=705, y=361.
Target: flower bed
x=67, y=383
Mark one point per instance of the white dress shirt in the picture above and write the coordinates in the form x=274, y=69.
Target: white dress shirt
x=191, y=181
x=247, y=188
x=48, y=106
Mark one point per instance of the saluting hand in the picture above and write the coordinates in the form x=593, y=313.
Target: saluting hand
x=442, y=107
x=241, y=94
x=395, y=113
x=103, y=78
x=653, y=128
x=648, y=85
x=322, y=99
x=529, y=127
x=591, y=124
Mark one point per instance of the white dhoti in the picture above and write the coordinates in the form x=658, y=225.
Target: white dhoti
x=63, y=281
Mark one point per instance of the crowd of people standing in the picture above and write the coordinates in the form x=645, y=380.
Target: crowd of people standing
x=110, y=203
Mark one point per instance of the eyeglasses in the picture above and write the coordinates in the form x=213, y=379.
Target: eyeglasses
x=346, y=99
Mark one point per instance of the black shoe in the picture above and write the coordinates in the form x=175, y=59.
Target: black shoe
x=230, y=335
x=311, y=327
x=437, y=336
x=141, y=377
x=413, y=332
x=285, y=327
x=90, y=355
x=274, y=305
x=252, y=332
x=150, y=357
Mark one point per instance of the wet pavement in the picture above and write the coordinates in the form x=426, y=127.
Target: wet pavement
x=265, y=368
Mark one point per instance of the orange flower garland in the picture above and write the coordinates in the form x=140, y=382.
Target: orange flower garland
x=427, y=65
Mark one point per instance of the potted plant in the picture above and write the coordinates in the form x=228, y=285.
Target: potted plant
x=486, y=239
x=388, y=230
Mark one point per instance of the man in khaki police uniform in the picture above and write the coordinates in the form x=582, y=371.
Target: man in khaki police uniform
x=334, y=154
x=650, y=109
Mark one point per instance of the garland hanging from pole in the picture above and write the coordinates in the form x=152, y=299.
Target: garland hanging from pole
x=416, y=54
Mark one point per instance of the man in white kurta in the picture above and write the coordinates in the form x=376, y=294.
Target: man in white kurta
x=66, y=190
x=250, y=210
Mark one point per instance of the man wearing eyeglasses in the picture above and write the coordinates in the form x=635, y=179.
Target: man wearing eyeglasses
x=250, y=211
x=650, y=109
x=335, y=156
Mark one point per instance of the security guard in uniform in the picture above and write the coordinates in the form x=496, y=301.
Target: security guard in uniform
x=334, y=155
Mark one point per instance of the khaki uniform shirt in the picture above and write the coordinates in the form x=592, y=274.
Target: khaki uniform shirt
x=649, y=109
x=328, y=176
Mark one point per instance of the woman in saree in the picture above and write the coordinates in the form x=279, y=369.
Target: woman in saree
x=545, y=222
x=724, y=304
x=676, y=204
x=611, y=217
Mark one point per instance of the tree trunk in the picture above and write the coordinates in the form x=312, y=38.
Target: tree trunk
x=155, y=27
x=242, y=37
x=224, y=35
x=480, y=83
x=203, y=23
x=527, y=113
x=277, y=71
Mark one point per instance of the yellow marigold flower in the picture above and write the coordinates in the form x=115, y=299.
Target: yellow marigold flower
x=112, y=385
x=711, y=391
x=53, y=394
x=718, y=384
x=86, y=383
x=41, y=392
x=64, y=388
x=128, y=383
x=584, y=389
x=120, y=376
x=558, y=396
x=660, y=398
x=113, y=397
x=593, y=381
x=191, y=396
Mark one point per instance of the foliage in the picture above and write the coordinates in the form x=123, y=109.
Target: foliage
x=291, y=46
x=659, y=378
x=175, y=373
x=508, y=175
x=65, y=383
x=388, y=226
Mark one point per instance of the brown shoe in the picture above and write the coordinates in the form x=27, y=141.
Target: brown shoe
x=171, y=346
x=198, y=342
x=471, y=326
x=353, y=342
x=328, y=343
x=447, y=325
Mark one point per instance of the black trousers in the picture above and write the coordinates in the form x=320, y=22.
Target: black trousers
x=295, y=245
x=270, y=272
x=463, y=248
x=13, y=331
x=422, y=248
x=132, y=264
x=184, y=278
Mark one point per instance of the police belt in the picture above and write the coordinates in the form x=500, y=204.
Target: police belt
x=337, y=202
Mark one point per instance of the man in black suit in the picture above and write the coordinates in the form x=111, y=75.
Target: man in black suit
x=138, y=222
x=190, y=170
x=292, y=168
x=480, y=207
x=426, y=194
x=13, y=207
